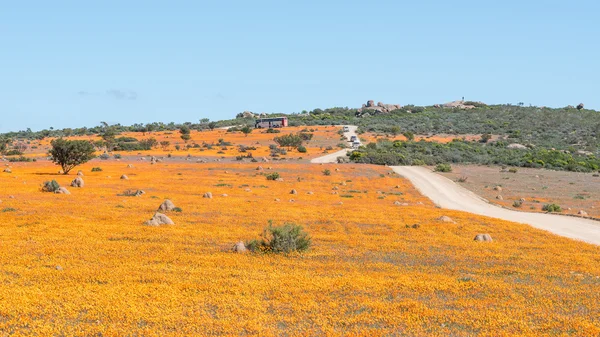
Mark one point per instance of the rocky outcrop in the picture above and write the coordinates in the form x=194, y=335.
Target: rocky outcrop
x=460, y=105
x=373, y=109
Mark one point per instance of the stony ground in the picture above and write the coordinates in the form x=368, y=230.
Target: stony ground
x=571, y=190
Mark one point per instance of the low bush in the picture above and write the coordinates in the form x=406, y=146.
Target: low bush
x=551, y=208
x=96, y=169
x=20, y=159
x=50, y=186
x=273, y=176
x=301, y=149
x=443, y=168
x=281, y=239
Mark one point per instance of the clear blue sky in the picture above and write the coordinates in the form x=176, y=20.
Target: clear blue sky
x=76, y=63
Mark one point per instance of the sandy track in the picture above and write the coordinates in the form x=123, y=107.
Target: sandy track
x=332, y=157
x=447, y=194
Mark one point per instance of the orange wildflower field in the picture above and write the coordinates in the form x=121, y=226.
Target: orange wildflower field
x=84, y=264
x=323, y=137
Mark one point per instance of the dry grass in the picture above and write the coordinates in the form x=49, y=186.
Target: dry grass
x=366, y=275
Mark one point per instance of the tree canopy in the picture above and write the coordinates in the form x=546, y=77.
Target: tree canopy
x=71, y=153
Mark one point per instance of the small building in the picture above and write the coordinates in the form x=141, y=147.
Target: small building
x=269, y=123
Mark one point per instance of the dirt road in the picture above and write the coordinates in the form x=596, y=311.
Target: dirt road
x=447, y=194
x=332, y=157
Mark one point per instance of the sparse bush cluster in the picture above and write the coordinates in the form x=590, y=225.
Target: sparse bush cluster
x=386, y=152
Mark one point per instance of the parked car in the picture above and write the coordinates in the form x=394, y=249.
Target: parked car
x=346, y=129
x=355, y=144
x=353, y=139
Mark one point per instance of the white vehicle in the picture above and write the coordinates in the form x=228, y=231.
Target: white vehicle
x=355, y=144
x=346, y=129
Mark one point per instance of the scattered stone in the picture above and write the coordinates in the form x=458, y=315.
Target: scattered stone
x=240, y=247
x=340, y=203
x=446, y=219
x=62, y=190
x=77, y=182
x=335, y=188
x=124, y=177
x=59, y=268
x=498, y=188
x=483, y=238
x=7, y=170
x=397, y=203
x=499, y=197
x=167, y=205
x=310, y=193
x=279, y=179
x=207, y=195
x=582, y=213
x=522, y=200
x=224, y=195
x=80, y=173
x=129, y=166
x=292, y=200
x=259, y=168
x=517, y=146
x=159, y=219
x=277, y=199
x=293, y=192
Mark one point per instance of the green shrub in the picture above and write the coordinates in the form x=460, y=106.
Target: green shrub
x=20, y=159
x=517, y=203
x=50, y=186
x=443, y=168
x=8, y=209
x=273, y=176
x=551, y=208
x=281, y=239
x=513, y=170
x=177, y=209
x=327, y=172
x=96, y=169
x=301, y=149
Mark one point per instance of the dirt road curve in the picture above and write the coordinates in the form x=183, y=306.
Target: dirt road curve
x=332, y=157
x=447, y=194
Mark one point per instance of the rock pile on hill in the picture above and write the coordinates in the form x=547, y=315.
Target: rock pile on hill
x=372, y=109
